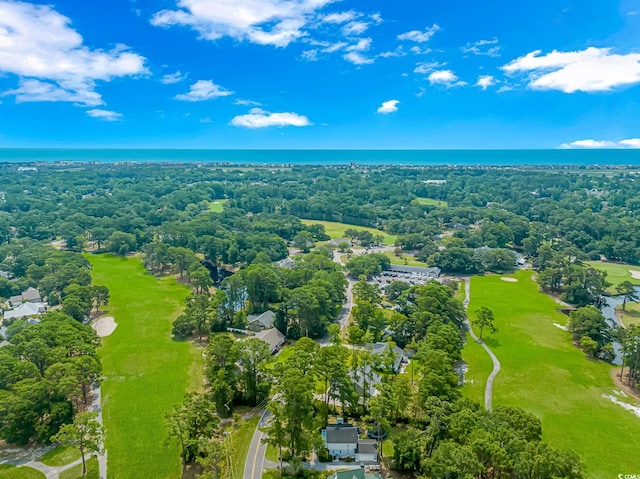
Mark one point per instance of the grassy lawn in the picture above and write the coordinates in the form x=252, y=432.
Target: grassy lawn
x=405, y=259
x=8, y=471
x=387, y=444
x=336, y=230
x=431, y=202
x=60, y=456
x=217, y=206
x=146, y=372
x=545, y=374
x=616, y=273
x=479, y=366
x=76, y=471
x=630, y=317
x=239, y=445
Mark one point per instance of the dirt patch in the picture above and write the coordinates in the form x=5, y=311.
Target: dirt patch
x=634, y=274
x=104, y=326
x=509, y=280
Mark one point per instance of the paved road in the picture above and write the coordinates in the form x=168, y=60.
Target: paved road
x=96, y=406
x=345, y=313
x=488, y=391
x=254, y=464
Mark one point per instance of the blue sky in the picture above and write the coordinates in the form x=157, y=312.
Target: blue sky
x=320, y=74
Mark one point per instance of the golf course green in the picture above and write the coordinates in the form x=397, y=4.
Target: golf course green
x=544, y=373
x=617, y=273
x=145, y=372
x=336, y=230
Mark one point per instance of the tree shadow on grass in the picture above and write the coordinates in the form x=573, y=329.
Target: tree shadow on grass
x=492, y=342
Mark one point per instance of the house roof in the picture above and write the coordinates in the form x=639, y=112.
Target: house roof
x=15, y=299
x=382, y=347
x=372, y=378
x=272, y=337
x=367, y=446
x=266, y=319
x=31, y=294
x=342, y=434
x=401, y=268
x=354, y=474
x=25, y=310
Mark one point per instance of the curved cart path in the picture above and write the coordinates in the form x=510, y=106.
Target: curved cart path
x=488, y=391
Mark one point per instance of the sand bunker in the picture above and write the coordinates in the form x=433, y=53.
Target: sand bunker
x=509, y=280
x=634, y=274
x=104, y=326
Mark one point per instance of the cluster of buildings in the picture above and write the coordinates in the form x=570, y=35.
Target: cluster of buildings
x=27, y=305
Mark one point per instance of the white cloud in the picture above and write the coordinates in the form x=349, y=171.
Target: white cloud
x=203, y=90
x=363, y=45
x=309, y=55
x=258, y=118
x=334, y=47
x=357, y=58
x=446, y=78
x=341, y=17
x=631, y=143
x=176, y=77
x=387, y=107
x=376, y=18
x=488, y=48
x=266, y=22
x=38, y=45
x=242, y=102
x=416, y=50
x=590, y=70
x=354, y=54
x=485, y=81
x=106, y=115
x=419, y=36
x=426, y=67
x=398, y=52
x=595, y=144
x=37, y=91
x=354, y=28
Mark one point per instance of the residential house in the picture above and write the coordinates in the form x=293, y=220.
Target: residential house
x=343, y=440
x=261, y=322
x=354, y=474
x=273, y=337
x=383, y=349
x=31, y=295
x=26, y=310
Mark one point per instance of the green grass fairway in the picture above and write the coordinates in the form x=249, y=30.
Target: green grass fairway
x=93, y=471
x=431, y=202
x=217, y=206
x=60, y=456
x=545, y=374
x=12, y=472
x=616, y=273
x=410, y=260
x=336, y=230
x=146, y=373
x=630, y=317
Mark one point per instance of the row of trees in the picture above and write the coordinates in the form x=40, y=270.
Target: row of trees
x=46, y=373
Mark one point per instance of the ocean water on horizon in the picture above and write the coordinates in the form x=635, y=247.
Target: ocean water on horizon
x=330, y=157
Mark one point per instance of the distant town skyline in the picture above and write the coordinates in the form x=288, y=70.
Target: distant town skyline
x=320, y=74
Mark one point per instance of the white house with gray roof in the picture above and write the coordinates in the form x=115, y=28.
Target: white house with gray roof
x=343, y=440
